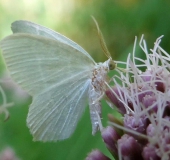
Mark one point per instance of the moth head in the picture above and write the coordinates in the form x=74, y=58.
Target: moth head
x=111, y=65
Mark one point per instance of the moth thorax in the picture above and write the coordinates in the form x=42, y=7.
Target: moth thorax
x=99, y=77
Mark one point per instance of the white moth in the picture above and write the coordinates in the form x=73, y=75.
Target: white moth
x=59, y=74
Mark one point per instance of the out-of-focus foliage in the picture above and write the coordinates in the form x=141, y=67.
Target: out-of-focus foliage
x=120, y=22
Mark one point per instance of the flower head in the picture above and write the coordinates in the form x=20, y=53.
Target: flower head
x=143, y=100
x=145, y=95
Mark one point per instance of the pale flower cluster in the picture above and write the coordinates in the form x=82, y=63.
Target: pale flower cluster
x=143, y=99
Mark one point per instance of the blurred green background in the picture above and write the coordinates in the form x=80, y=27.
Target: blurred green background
x=119, y=20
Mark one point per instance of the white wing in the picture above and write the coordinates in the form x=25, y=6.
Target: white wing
x=58, y=77
x=54, y=114
x=22, y=26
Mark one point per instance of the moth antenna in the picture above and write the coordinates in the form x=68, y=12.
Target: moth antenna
x=102, y=41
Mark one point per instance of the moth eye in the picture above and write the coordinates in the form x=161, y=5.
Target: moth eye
x=112, y=65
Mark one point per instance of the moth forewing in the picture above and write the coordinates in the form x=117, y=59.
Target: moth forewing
x=59, y=74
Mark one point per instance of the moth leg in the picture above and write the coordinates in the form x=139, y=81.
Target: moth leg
x=98, y=99
x=99, y=122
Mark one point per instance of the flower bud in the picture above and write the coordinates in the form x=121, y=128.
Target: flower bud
x=149, y=152
x=138, y=124
x=110, y=137
x=129, y=148
x=97, y=155
x=114, y=99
